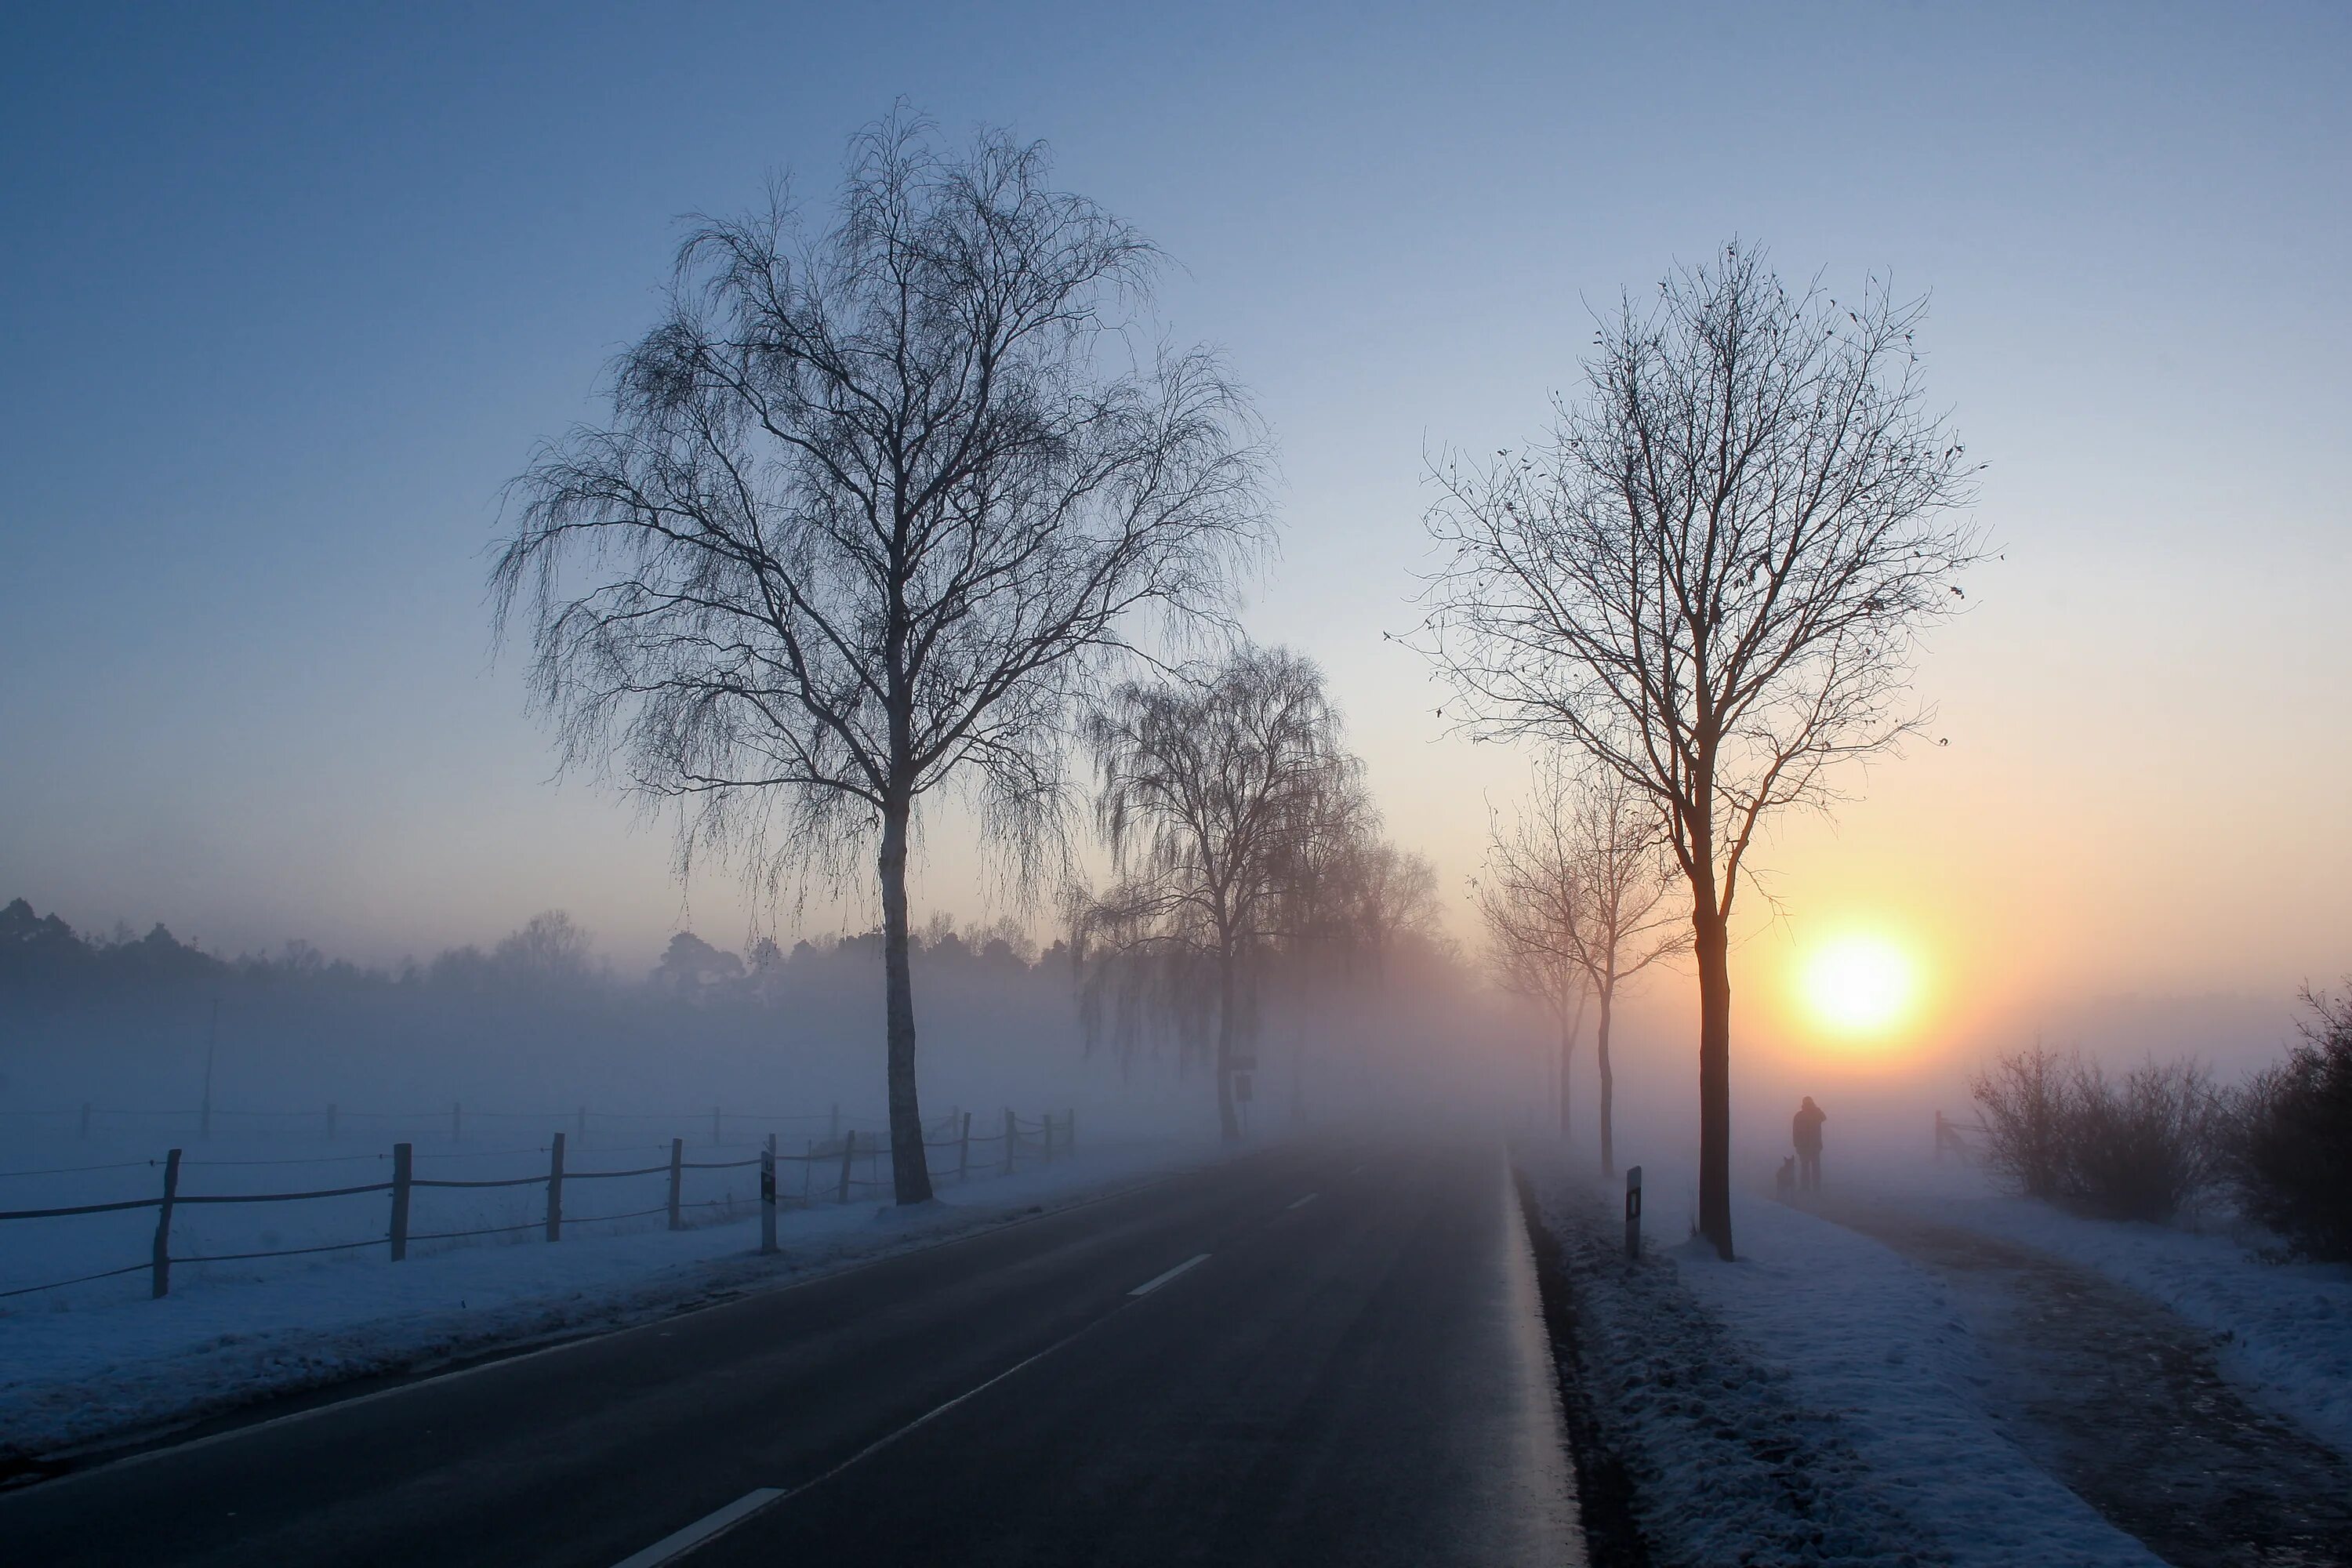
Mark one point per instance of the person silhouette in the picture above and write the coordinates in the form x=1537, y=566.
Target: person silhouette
x=1805, y=1127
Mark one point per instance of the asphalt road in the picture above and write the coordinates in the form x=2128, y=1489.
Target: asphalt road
x=1318, y=1354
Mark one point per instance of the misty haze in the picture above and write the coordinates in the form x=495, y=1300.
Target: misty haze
x=1468, y=786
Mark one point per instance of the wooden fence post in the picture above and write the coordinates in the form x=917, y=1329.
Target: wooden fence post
x=768, y=1196
x=85, y=1117
x=401, y=1177
x=555, y=1190
x=677, y=1176
x=963, y=1152
x=1633, y=1213
x=848, y=1152
x=1009, y=1134
x=163, y=1265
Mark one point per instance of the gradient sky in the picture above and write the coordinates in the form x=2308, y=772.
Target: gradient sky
x=286, y=294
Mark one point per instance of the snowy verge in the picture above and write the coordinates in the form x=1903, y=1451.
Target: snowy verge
x=1815, y=1403
x=92, y=1374
x=2283, y=1330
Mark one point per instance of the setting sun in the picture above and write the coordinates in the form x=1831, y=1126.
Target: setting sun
x=1860, y=984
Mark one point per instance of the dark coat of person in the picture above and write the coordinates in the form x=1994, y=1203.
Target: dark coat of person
x=1805, y=1127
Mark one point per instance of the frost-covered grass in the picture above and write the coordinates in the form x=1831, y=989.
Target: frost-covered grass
x=1817, y=1403
x=99, y=1362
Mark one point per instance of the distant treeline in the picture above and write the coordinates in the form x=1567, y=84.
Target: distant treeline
x=550, y=952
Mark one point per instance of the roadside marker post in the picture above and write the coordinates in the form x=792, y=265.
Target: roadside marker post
x=963, y=1152
x=849, y=1154
x=1633, y=1214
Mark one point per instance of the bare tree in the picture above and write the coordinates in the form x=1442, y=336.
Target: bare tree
x=1711, y=578
x=1530, y=900
x=1346, y=898
x=875, y=505
x=1210, y=784
x=1625, y=921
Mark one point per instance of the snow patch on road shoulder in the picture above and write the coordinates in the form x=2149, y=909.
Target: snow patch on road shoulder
x=1815, y=1403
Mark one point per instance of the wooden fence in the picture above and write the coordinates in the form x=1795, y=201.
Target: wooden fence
x=836, y=1156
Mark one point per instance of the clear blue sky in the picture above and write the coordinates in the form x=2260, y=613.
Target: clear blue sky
x=289, y=292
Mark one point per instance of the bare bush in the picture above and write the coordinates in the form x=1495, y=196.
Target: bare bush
x=2141, y=1147
x=2023, y=1097
x=2136, y=1147
x=2290, y=1145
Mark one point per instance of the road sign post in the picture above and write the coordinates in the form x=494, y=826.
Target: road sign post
x=1633, y=1214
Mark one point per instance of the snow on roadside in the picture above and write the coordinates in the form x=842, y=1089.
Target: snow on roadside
x=2283, y=1331
x=72, y=1378
x=1816, y=1402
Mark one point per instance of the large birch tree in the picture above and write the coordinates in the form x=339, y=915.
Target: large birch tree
x=875, y=504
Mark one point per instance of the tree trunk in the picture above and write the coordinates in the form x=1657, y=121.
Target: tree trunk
x=1712, y=947
x=910, y=1172
x=1608, y=1087
x=1571, y=1024
x=1567, y=1048
x=1227, y=1118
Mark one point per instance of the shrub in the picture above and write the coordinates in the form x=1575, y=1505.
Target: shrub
x=2138, y=1147
x=2023, y=1097
x=2291, y=1158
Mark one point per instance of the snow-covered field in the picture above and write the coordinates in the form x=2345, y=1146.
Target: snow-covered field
x=101, y=1361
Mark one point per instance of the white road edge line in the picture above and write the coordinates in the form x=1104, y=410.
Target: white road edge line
x=1305, y=1201
x=1157, y=1281
x=677, y=1544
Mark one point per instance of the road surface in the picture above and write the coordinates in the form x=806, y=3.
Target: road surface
x=1321, y=1353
